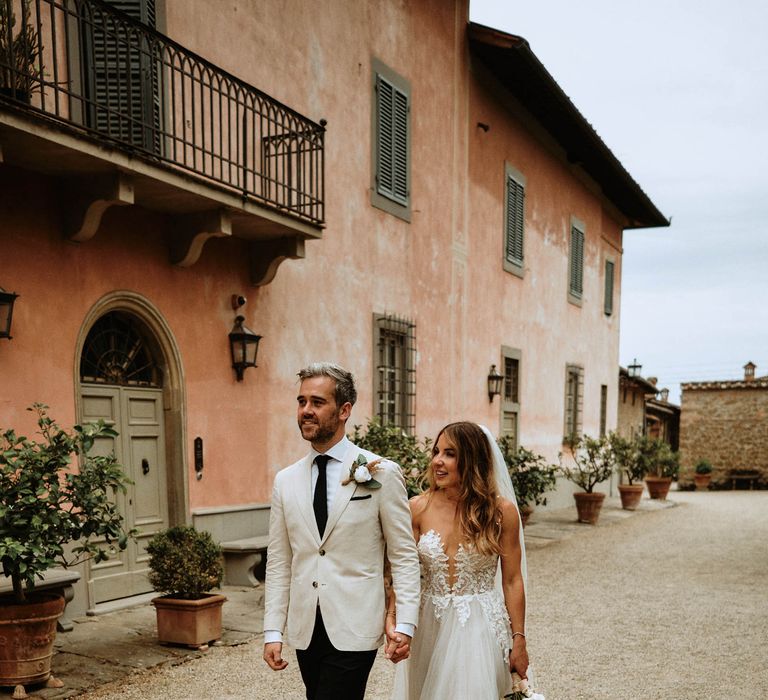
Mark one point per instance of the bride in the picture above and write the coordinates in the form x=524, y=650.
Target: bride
x=471, y=634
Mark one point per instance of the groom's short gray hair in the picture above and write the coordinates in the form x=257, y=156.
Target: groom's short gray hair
x=345, y=382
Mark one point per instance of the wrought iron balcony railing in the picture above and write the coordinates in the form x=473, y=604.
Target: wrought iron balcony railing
x=106, y=74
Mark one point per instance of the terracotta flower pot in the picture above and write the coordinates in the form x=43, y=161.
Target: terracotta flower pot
x=526, y=512
x=658, y=486
x=630, y=495
x=27, y=633
x=702, y=481
x=588, y=506
x=193, y=623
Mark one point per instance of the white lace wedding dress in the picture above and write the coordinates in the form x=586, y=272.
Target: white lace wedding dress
x=460, y=646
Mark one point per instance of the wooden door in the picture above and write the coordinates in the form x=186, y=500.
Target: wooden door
x=137, y=415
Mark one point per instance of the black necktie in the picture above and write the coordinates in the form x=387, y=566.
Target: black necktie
x=320, y=501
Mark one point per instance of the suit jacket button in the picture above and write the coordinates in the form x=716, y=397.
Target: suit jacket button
x=322, y=552
x=314, y=584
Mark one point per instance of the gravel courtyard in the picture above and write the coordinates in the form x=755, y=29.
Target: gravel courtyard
x=665, y=604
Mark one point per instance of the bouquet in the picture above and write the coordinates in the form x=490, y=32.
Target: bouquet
x=521, y=691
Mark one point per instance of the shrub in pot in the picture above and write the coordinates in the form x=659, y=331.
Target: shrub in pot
x=20, y=52
x=391, y=442
x=631, y=466
x=663, y=466
x=592, y=463
x=57, y=508
x=702, y=474
x=531, y=476
x=185, y=564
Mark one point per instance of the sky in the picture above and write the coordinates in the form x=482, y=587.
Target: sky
x=678, y=90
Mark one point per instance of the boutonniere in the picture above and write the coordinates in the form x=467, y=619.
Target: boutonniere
x=362, y=472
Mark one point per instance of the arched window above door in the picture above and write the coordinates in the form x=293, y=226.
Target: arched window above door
x=117, y=351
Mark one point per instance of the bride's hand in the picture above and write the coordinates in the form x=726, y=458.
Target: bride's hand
x=518, y=657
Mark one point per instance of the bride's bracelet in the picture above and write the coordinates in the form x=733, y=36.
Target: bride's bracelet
x=517, y=634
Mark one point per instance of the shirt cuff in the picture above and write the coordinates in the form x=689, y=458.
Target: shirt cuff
x=271, y=636
x=405, y=628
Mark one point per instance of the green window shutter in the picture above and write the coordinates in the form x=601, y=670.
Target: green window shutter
x=576, y=283
x=122, y=79
x=392, y=123
x=515, y=221
x=608, y=305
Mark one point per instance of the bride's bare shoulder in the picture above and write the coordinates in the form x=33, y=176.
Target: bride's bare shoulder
x=508, y=510
x=418, y=504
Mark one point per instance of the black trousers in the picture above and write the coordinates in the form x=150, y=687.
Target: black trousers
x=330, y=674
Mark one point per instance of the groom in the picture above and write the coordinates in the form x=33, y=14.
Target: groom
x=329, y=526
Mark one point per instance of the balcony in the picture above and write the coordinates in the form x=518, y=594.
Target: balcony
x=122, y=115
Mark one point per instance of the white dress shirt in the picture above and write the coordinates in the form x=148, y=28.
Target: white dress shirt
x=333, y=479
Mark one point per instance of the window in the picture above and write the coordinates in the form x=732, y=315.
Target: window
x=395, y=372
x=608, y=302
x=603, y=408
x=510, y=395
x=574, y=386
x=391, y=142
x=514, y=221
x=576, y=263
x=121, y=79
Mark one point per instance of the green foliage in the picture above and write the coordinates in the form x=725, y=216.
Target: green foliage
x=394, y=444
x=703, y=466
x=593, y=462
x=629, y=456
x=531, y=476
x=668, y=461
x=19, y=50
x=657, y=457
x=44, y=505
x=184, y=562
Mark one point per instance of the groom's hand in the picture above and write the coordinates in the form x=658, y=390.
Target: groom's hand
x=273, y=655
x=398, y=646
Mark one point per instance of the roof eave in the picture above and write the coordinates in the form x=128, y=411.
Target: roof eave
x=510, y=58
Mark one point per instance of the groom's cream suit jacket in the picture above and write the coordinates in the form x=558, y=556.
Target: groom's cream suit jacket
x=342, y=571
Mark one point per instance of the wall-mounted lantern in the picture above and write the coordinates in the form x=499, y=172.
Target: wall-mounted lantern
x=634, y=369
x=6, y=312
x=244, y=344
x=495, y=381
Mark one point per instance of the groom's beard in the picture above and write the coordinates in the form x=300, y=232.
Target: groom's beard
x=315, y=430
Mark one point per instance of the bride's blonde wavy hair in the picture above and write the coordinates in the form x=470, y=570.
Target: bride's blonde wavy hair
x=479, y=516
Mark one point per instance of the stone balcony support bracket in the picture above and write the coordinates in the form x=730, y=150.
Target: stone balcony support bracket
x=194, y=230
x=90, y=200
x=267, y=256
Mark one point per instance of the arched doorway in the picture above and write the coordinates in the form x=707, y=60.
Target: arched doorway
x=129, y=375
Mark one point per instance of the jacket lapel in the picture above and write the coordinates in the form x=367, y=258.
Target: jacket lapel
x=343, y=493
x=303, y=496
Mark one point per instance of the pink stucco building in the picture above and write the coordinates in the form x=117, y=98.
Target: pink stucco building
x=388, y=185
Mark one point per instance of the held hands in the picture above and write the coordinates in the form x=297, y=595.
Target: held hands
x=398, y=644
x=273, y=655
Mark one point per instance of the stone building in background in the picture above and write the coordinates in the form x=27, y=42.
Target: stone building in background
x=726, y=423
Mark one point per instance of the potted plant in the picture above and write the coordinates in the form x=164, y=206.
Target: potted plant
x=628, y=462
x=391, y=442
x=56, y=509
x=186, y=564
x=20, y=53
x=531, y=476
x=663, y=465
x=593, y=463
x=702, y=474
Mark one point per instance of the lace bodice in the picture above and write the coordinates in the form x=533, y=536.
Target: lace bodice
x=471, y=572
x=471, y=576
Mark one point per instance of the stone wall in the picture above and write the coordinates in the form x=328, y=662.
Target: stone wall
x=631, y=411
x=728, y=427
